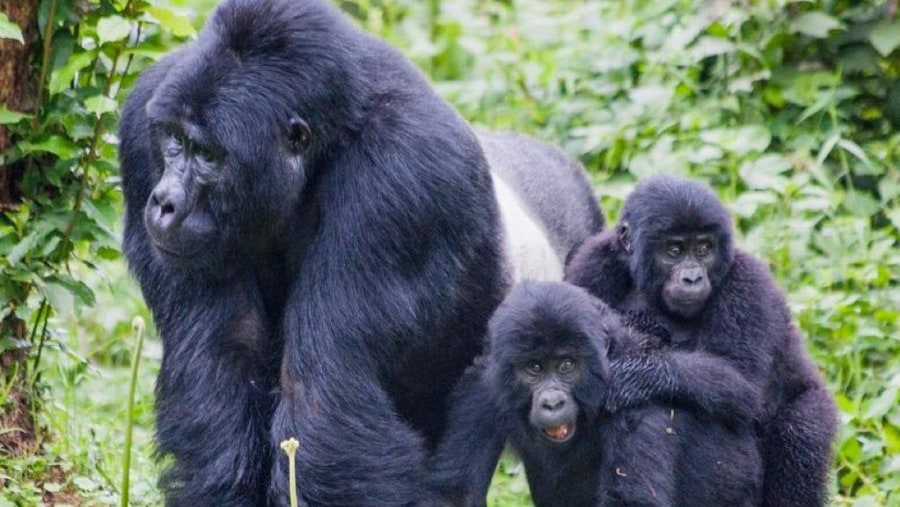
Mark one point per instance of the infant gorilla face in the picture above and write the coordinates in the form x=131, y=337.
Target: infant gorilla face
x=550, y=379
x=548, y=363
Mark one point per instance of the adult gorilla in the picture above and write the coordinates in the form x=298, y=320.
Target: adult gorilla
x=317, y=236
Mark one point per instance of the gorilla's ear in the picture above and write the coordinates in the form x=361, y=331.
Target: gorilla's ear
x=624, y=237
x=299, y=134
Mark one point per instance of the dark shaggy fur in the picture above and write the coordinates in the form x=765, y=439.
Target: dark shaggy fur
x=316, y=234
x=745, y=323
x=655, y=455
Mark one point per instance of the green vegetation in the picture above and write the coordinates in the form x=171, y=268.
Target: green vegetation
x=788, y=108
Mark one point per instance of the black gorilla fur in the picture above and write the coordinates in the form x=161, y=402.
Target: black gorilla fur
x=654, y=455
x=744, y=322
x=316, y=234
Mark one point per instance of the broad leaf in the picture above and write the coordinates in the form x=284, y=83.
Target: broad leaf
x=112, y=28
x=7, y=117
x=815, y=24
x=885, y=37
x=177, y=25
x=10, y=30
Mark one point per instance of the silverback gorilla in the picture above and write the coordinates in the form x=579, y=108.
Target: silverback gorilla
x=542, y=387
x=318, y=238
x=671, y=258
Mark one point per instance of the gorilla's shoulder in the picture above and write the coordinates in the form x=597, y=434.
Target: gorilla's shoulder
x=600, y=265
x=750, y=284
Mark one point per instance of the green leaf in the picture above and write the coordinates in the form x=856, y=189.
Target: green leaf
x=10, y=30
x=62, y=77
x=860, y=204
x=741, y=140
x=100, y=104
x=766, y=172
x=882, y=404
x=816, y=24
x=112, y=28
x=178, y=25
x=855, y=150
x=84, y=483
x=60, y=146
x=52, y=487
x=892, y=443
x=885, y=37
x=23, y=247
x=747, y=203
x=78, y=289
x=894, y=216
x=8, y=117
x=108, y=253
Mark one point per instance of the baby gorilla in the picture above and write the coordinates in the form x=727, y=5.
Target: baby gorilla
x=546, y=378
x=671, y=259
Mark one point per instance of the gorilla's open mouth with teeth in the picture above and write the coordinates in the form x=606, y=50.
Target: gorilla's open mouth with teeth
x=559, y=434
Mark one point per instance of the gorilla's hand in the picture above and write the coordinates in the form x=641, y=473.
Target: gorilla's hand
x=638, y=380
x=714, y=386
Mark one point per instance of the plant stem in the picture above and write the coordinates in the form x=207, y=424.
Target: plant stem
x=138, y=326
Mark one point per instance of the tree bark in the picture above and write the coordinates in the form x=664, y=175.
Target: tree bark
x=17, y=82
x=18, y=93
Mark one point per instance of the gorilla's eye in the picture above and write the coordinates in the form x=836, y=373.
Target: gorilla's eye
x=206, y=154
x=673, y=250
x=299, y=135
x=566, y=366
x=173, y=146
x=704, y=248
x=534, y=368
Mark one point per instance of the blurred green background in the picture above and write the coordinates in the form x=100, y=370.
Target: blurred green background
x=788, y=108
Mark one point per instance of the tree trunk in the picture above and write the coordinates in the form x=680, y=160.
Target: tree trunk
x=17, y=82
x=18, y=93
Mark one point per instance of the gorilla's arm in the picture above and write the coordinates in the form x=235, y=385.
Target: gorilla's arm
x=796, y=447
x=600, y=265
x=353, y=443
x=214, y=387
x=798, y=433
x=462, y=466
x=696, y=379
x=378, y=290
x=214, y=395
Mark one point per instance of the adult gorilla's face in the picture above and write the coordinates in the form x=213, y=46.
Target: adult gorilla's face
x=231, y=161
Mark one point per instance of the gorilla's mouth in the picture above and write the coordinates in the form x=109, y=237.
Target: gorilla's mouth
x=560, y=433
x=170, y=252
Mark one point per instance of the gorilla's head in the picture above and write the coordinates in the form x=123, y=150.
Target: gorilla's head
x=679, y=238
x=238, y=132
x=547, y=363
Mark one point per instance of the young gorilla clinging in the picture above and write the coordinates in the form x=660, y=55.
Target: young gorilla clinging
x=546, y=376
x=671, y=258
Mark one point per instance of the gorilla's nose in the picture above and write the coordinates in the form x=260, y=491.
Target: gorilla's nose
x=692, y=276
x=166, y=206
x=553, y=401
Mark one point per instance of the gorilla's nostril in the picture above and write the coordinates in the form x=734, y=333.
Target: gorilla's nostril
x=554, y=404
x=167, y=209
